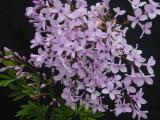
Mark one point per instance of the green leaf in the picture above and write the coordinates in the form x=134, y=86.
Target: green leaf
x=7, y=78
x=21, y=89
x=87, y=114
x=11, y=73
x=50, y=82
x=36, y=79
x=33, y=111
x=5, y=83
x=98, y=115
x=90, y=118
x=18, y=97
x=62, y=113
x=8, y=63
x=4, y=76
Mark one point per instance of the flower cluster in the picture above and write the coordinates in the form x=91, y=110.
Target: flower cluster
x=143, y=12
x=87, y=52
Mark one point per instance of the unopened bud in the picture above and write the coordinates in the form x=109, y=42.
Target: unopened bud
x=43, y=85
x=51, y=103
x=8, y=57
x=3, y=69
x=24, y=58
x=7, y=50
x=21, y=76
x=17, y=55
x=17, y=68
x=29, y=11
x=28, y=77
x=30, y=84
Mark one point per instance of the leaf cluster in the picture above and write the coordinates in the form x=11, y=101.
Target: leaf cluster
x=33, y=111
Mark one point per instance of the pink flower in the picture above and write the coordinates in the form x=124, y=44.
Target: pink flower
x=146, y=28
x=137, y=3
x=138, y=98
x=118, y=11
x=152, y=9
x=151, y=62
x=138, y=17
x=122, y=108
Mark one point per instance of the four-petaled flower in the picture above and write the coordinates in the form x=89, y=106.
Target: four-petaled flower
x=122, y=107
x=137, y=3
x=138, y=17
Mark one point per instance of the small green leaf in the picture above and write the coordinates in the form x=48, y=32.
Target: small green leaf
x=7, y=63
x=33, y=111
x=36, y=79
x=4, y=76
x=18, y=97
x=98, y=115
x=87, y=114
x=5, y=83
x=21, y=89
x=49, y=82
x=90, y=118
x=62, y=113
x=11, y=73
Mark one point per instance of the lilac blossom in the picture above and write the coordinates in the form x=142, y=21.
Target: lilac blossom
x=138, y=17
x=118, y=67
x=136, y=3
x=139, y=79
x=151, y=62
x=91, y=53
x=152, y=9
x=122, y=107
x=98, y=106
x=70, y=100
x=94, y=94
x=146, y=28
x=135, y=56
x=37, y=41
x=138, y=97
x=118, y=11
x=128, y=85
x=81, y=3
x=30, y=11
x=110, y=89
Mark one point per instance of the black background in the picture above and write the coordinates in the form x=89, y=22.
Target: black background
x=16, y=33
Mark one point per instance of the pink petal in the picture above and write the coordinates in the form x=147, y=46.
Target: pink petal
x=123, y=69
x=118, y=111
x=143, y=18
x=138, y=12
x=112, y=96
x=138, y=64
x=105, y=91
x=149, y=81
x=151, y=61
x=150, y=70
x=148, y=24
x=133, y=25
x=147, y=31
x=93, y=97
x=131, y=18
x=128, y=109
x=139, y=82
x=115, y=69
x=152, y=15
x=131, y=89
x=101, y=109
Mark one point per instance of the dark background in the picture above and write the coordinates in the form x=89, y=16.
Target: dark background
x=16, y=33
